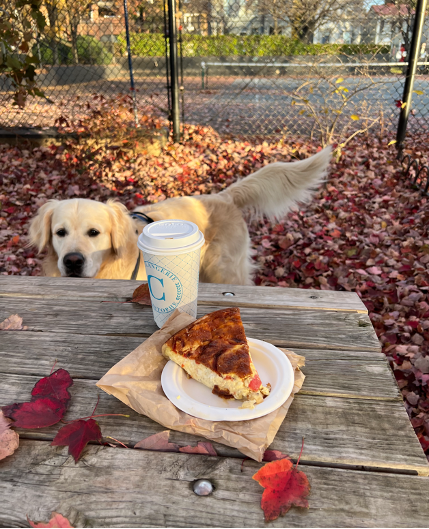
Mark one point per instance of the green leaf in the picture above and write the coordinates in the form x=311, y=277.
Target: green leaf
x=13, y=63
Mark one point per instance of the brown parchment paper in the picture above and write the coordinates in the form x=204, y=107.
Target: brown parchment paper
x=136, y=381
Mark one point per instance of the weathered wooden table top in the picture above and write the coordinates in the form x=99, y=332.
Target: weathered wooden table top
x=362, y=458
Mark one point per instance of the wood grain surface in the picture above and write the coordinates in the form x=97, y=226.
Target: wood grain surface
x=285, y=327
x=338, y=431
x=114, y=487
x=353, y=373
x=364, y=462
x=68, y=288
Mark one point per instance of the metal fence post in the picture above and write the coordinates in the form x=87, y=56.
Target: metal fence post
x=130, y=64
x=411, y=72
x=174, y=69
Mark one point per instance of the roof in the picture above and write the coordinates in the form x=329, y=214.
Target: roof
x=391, y=10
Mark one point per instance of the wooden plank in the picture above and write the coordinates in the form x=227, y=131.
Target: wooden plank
x=285, y=327
x=351, y=373
x=67, y=288
x=338, y=431
x=113, y=487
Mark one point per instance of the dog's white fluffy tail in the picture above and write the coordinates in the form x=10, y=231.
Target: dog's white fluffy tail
x=275, y=188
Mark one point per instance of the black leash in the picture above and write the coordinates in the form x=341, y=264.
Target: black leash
x=139, y=216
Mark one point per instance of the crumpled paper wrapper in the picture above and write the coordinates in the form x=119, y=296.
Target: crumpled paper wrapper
x=136, y=381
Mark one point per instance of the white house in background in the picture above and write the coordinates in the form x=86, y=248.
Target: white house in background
x=386, y=27
x=341, y=32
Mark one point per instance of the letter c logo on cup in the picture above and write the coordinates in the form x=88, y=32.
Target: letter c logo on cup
x=150, y=287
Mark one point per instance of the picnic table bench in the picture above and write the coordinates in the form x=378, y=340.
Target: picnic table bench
x=364, y=463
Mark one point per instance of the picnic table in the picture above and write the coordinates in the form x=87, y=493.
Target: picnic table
x=364, y=463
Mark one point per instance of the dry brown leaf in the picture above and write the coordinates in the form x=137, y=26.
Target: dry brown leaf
x=142, y=295
x=9, y=439
x=13, y=323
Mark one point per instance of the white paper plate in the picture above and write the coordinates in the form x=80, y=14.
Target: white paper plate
x=194, y=398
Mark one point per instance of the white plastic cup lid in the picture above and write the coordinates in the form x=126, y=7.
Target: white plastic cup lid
x=170, y=237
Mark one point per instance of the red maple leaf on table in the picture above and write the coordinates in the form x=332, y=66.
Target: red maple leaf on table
x=57, y=520
x=48, y=405
x=284, y=486
x=55, y=385
x=77, y=435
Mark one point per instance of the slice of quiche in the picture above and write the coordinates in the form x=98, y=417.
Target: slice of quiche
x=214, y=351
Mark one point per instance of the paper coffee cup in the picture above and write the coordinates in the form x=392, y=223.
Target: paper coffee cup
x=171, y=251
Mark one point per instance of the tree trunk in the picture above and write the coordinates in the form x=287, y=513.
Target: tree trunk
x=73, y=34
x=53, y=19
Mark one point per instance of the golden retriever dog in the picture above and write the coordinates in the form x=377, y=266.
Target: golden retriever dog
x=85, y=238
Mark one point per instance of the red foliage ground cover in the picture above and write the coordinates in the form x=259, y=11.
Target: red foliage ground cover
x=366, y=231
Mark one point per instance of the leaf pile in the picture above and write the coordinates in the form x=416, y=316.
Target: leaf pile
x=366, y=231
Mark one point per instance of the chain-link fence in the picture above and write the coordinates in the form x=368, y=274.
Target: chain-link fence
x=324, y=68
x=82, y=52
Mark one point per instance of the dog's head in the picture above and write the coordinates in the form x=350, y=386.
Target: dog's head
x=81, y=234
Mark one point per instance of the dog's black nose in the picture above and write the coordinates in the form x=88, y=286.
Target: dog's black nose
x=74, y=262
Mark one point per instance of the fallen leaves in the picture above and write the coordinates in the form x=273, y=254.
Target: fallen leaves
x=13, y=323
x=9, y=439
x=57, y=520
x=39, y=413
x=48, y=405
x=284, y=485
x=203, y=448
x=160, y=441
x=365, y=231
x=77, y=435
x=142, y=295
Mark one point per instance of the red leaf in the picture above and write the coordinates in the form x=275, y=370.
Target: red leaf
x=284, y=486
x=57, y=520
x=274, y=455
x=48, y=405
x=204, y=448
x=77, y=435
x=141, y=295
x=55, y=385
x=36, y=414
x=158, y=441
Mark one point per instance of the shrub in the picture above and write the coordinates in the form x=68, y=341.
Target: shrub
x=89, y=50
x=153, y=45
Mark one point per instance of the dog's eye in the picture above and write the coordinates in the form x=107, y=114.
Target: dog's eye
x=93, y=233
x=61, y=233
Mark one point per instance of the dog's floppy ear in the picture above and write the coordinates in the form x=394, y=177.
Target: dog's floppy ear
x=121, y=226
x=40, y=226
